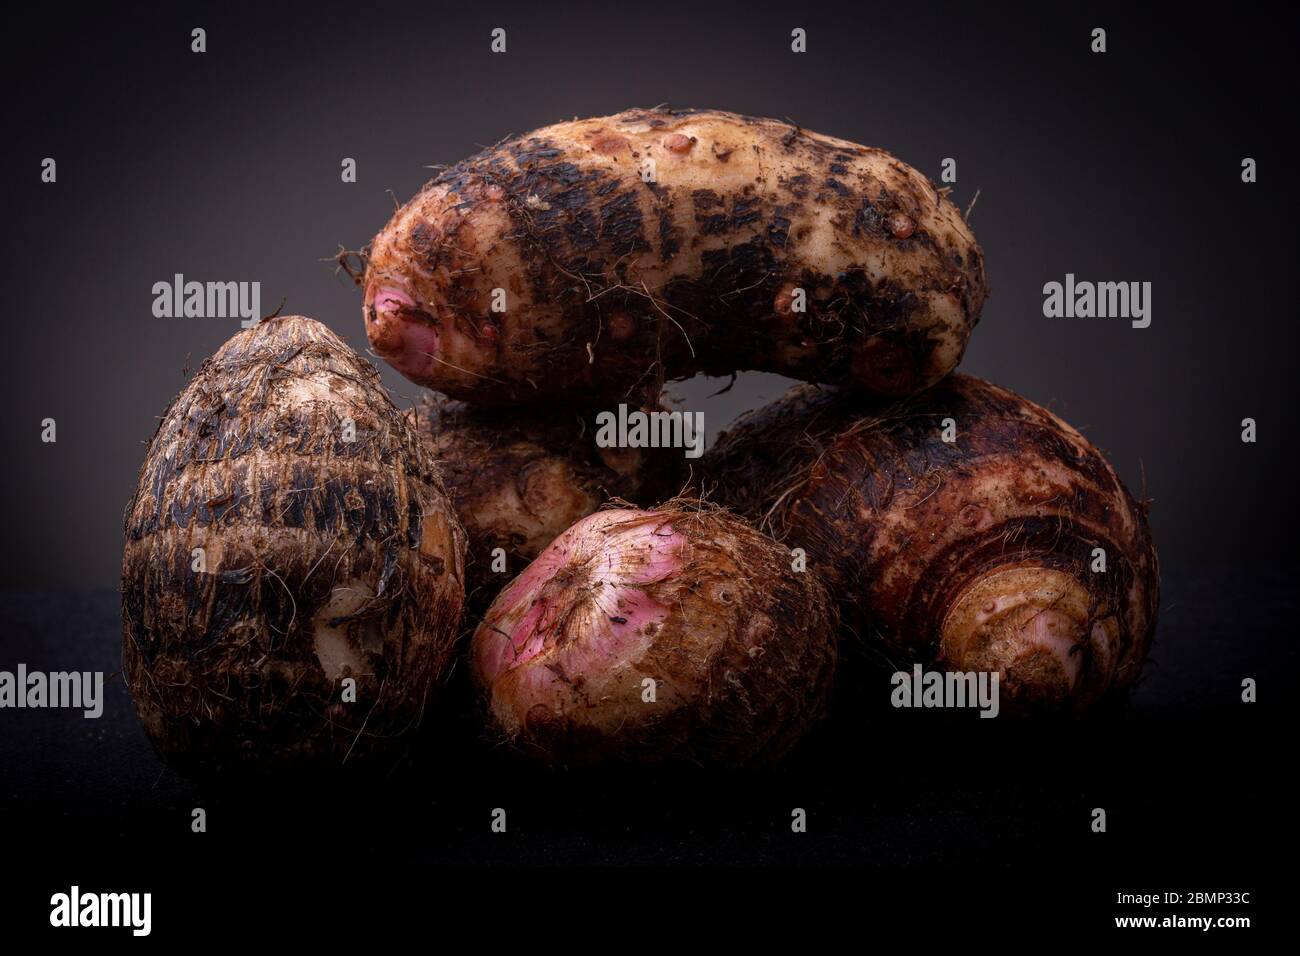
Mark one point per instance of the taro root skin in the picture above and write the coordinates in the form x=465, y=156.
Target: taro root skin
x=741, y=648
x=613, y=284
x=520, y=477
x=975, y=554
x=324, y=559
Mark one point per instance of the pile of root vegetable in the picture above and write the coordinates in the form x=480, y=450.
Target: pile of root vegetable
x=306, y=565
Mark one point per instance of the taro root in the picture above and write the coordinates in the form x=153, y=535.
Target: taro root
x=290, y=532
x=679, y=633
x=979, y=554
x=519, y=477
x=597, y=258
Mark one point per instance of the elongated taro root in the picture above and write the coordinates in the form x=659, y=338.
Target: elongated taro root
x=649, y=635
x=518, y=478
x=289, y=531
x=977, y=553
x=599, y=257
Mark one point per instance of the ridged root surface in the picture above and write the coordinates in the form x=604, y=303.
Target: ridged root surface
x=268, y=557
x=975, y=554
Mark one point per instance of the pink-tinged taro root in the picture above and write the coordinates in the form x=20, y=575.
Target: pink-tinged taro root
x=976, y=547
x=595, y=259
x=646, y=635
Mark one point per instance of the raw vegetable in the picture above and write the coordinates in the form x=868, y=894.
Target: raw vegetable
x=289, y=533
x=519, y=477
x=677, y=633
x=598, y=258
x=980, y=554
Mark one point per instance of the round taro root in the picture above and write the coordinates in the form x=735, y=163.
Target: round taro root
x=289, y=531
x=519, y=477
x=978, y=554
x=677, y=633
x=600, y=257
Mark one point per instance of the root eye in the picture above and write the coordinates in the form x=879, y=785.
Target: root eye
x=901, y=225
x=677, y=143
x=391, y=300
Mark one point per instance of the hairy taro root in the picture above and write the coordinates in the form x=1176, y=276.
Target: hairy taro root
x=520, y=477
x=655, y=244
x=289, y=531
x=676, y=633
x=976, y=554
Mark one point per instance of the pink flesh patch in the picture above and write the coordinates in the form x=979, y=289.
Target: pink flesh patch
x=609, y=558
x=422, y=345
x=391, y=300
x=496, y=652
x=600, y=649
x=642, y=554
x=399, y=337
x=499, y=652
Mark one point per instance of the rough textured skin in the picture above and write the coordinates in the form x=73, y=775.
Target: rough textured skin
x=324, y=559
x=740, y=647
x=975, y=554
x=518, y=478
x=614, y=284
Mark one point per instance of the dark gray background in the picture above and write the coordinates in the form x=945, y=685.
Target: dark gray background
x=225, y=166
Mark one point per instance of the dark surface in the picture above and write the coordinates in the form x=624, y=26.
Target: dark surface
x=953, y=824
x=1185, y=772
